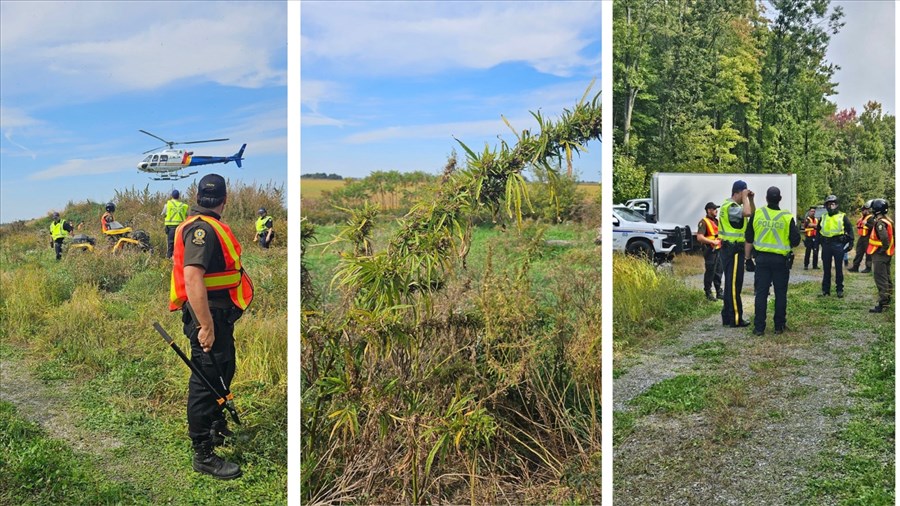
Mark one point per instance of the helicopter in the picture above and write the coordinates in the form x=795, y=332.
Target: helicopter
x=167, y=163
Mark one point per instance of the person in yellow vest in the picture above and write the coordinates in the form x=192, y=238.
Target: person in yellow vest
x=59, y=230
x=175, y=211
x=264, y=231
x=863, y=227
x=732, y=228
x=836, y=232
x=881, y=248
x=708, y=236
x=810, y=239
x=212, y=290
x=771, y=234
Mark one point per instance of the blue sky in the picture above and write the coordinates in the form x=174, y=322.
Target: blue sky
x=387, y=85
x=78, y=80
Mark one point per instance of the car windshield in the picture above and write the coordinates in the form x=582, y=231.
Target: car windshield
x=629, y=214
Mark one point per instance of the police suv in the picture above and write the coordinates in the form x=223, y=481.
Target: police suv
x=659, y=241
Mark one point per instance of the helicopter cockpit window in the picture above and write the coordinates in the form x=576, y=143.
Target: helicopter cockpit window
x=163, y=158
x=148, y=158
x=155, y=159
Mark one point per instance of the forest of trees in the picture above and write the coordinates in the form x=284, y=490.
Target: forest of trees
x=737, y=86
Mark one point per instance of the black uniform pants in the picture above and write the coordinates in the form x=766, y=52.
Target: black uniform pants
x=862, y=244
x=57, y=247
x=170, y=240
x=832, y=252
x=712, y=276
x=771, y=270
x=812, y=247
x=202, y=408
x=732, y=256
x=262, y=239
x=881, y=267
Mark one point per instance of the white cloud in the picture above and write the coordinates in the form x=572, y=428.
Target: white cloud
x=83, y=167
x=87, y=48
x=414, y=38
x=447, y=131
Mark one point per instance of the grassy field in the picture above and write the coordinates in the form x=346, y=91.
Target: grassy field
x=78, y=335
x=313, y=188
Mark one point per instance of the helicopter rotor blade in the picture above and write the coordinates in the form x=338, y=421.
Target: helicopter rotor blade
x=198, y=142
x=154, y=149
x=168, y=143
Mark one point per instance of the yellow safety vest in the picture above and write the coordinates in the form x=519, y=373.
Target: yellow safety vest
x=771, y=231
x=57, y=230
x=175, y=212
x=833, y=226
x=726, y=231
x=261, y=224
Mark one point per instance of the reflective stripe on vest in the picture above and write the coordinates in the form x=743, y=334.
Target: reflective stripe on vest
x=176, y=211
x=726, y=231
x=875, y=242
x=771, y=231
x=233, y=278
x=861, y=228
x=104, y=223
x=712, y=231
x=57, y=231
x=811, y=227
x=833, y=226
x=261, y=224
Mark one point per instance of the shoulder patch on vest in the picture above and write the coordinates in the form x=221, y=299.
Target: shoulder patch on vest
x=199, y=237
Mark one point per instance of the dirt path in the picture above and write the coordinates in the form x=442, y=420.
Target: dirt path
x=753, y=445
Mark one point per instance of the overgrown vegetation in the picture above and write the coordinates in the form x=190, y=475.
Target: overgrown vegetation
x=440, y=364
x=88, y=318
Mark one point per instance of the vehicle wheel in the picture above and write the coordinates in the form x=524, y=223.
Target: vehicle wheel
x=641, y=249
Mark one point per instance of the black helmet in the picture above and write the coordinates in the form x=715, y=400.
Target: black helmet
x=831, y=198
x=110, y=207
x=262, y=211
x=55, y=215
x=175, y=194
x=879, y=206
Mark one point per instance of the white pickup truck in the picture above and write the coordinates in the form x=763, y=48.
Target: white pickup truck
x=659, y=241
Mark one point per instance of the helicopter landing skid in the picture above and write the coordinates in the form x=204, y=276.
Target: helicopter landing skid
x=172, y=176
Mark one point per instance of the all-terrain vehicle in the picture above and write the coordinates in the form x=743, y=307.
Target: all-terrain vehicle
x=123, y=238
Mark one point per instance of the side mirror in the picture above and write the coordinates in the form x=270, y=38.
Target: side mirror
x=615, y=222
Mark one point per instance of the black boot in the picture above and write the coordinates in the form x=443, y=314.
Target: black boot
x=207, y=462
x=709, y=296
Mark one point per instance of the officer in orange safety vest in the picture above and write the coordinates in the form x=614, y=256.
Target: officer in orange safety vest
x=881, y=247
x=810, y=239
x=708, y=236
x=863, y=227
x=211, y=288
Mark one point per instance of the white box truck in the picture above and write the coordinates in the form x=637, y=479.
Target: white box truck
x=680, y=197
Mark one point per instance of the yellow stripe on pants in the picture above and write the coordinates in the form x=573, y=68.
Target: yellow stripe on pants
x=733, y=285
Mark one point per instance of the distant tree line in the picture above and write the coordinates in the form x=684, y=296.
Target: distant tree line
x=726, y=86
x=321, y=175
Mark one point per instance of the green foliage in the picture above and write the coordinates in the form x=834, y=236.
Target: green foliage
x=685, y=393
x=39, y=470
x=426, y=368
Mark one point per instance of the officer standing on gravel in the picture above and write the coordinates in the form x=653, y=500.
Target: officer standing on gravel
x=732, y=228
x=881, y=247
x=708, y=236
x=772, y=233
x=810, y=240
x=211, y=288
x=836, y=232
x=863, y=228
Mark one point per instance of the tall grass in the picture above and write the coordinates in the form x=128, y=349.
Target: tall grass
x=647, y=301
x=92, y=313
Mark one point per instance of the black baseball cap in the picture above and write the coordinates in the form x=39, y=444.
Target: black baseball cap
x=738, y=186
x=773, y=194
x=711, y=205
x=211, y=185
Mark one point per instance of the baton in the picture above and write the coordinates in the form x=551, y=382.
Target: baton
x=222, y=400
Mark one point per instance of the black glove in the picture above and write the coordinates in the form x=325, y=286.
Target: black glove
x=749, y=266
x=848, y=246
